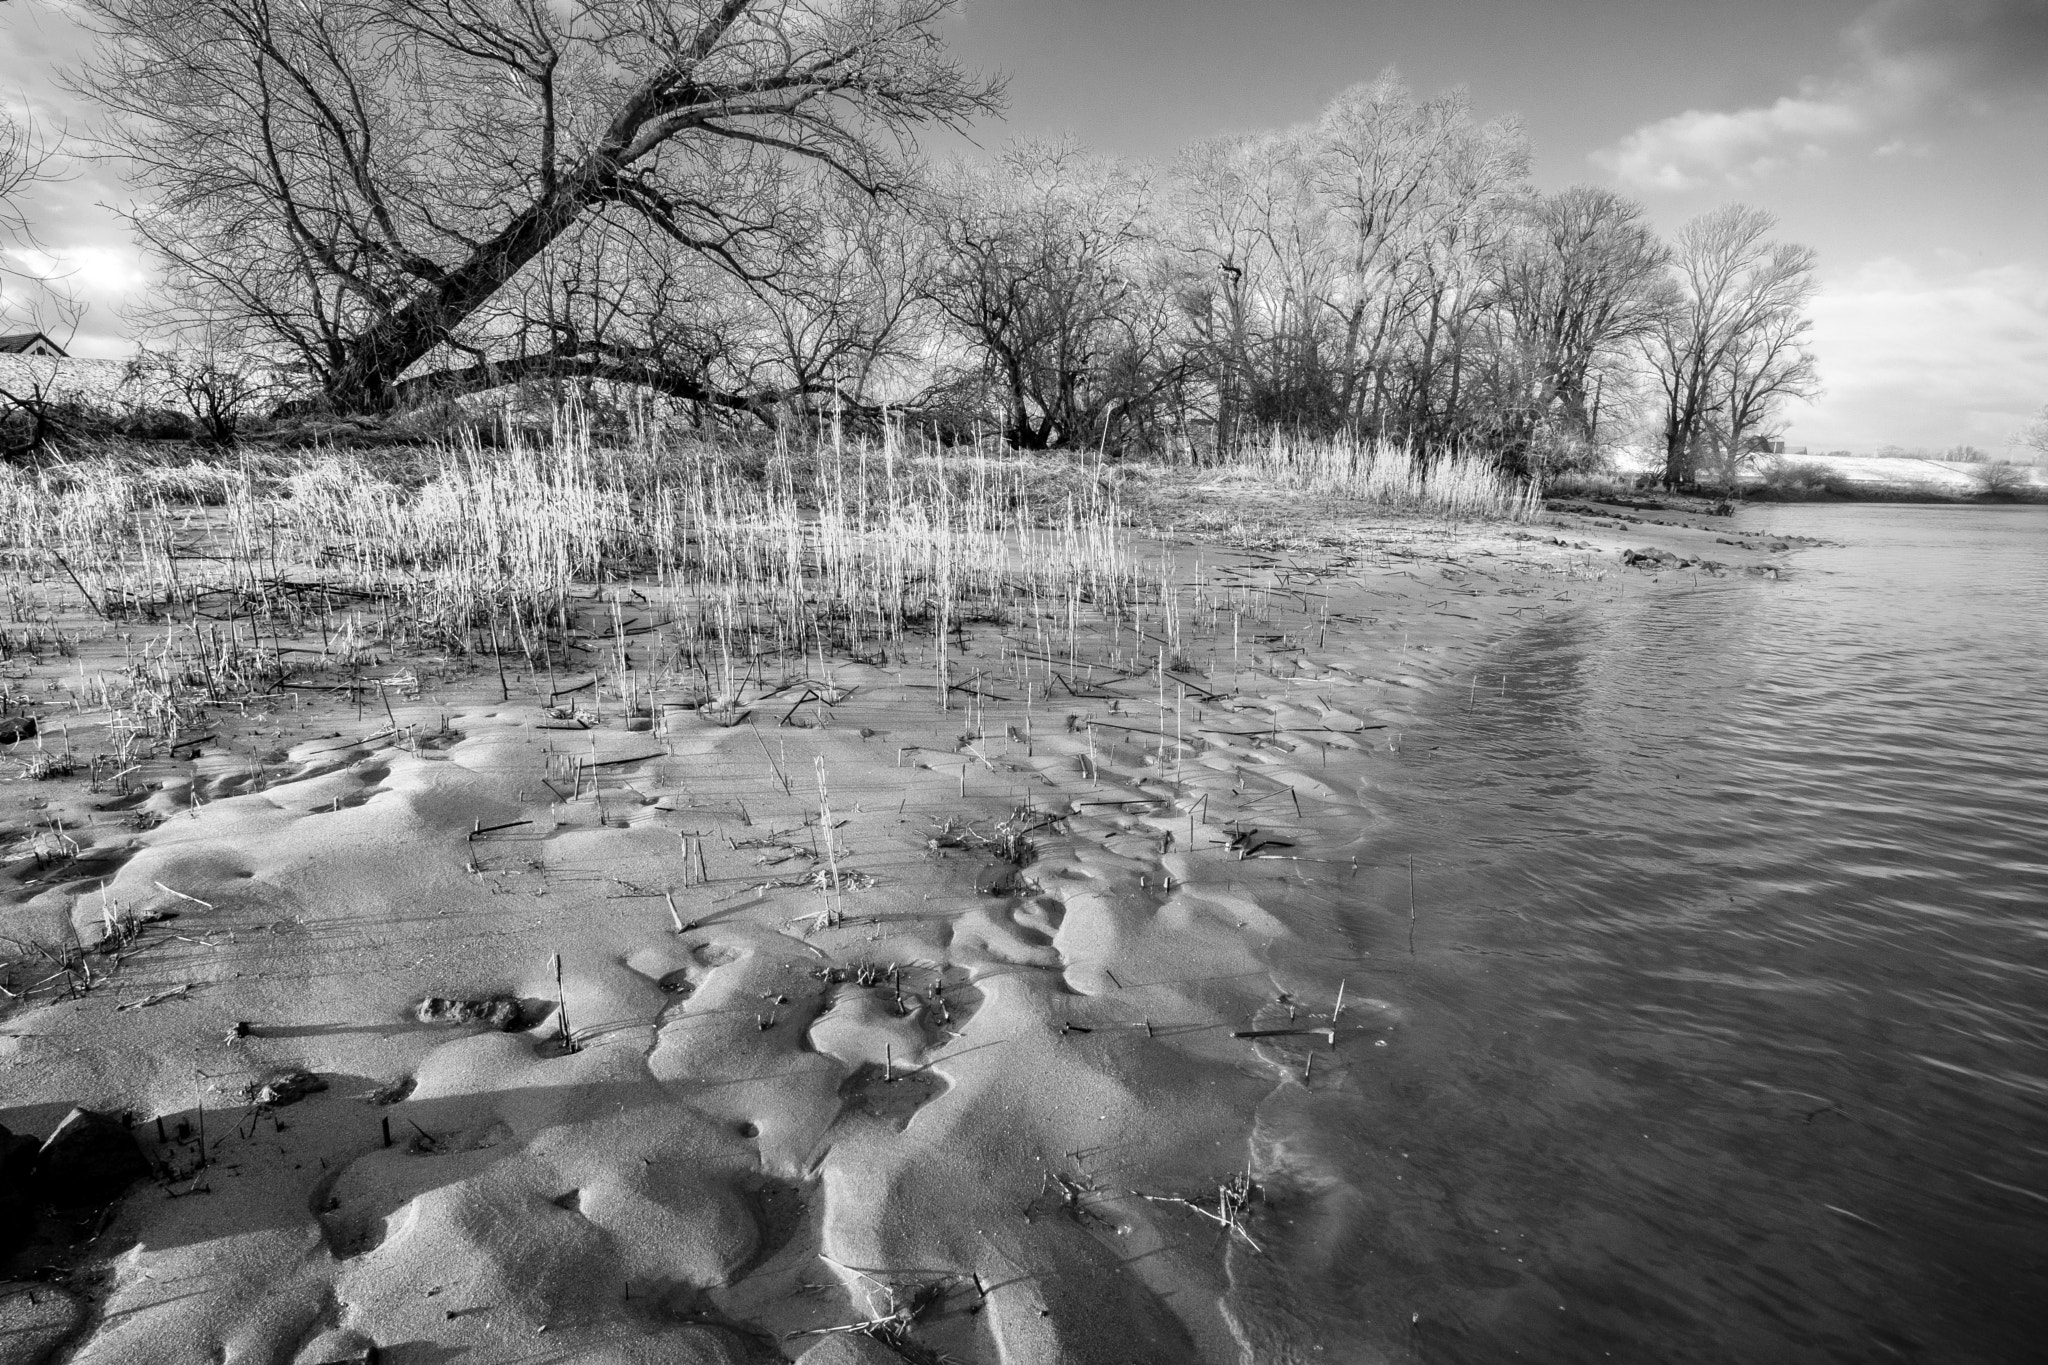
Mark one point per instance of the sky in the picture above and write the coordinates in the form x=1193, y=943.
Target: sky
x=1905, y=140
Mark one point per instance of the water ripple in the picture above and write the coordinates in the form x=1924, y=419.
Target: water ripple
x=1743, y=1038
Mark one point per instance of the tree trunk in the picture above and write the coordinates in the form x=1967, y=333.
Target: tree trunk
x=377, y=357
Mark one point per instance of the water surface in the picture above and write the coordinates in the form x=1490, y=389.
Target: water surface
x=1724, y=1030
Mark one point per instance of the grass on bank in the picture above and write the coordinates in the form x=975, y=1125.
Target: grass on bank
x=700, y=561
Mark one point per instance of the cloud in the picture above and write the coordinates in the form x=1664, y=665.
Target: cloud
x=1688, y=149
x=1917, y=360
x=72, y=237
x=1905, y=59
x=84, y=251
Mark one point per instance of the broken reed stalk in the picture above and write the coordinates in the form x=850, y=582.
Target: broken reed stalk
x=1411, y=905
x=832, y=916
x=199, y=1101
x=562, y=1005
x=204, y=905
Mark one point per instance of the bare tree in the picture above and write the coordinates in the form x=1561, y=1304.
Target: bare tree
x=364, y=178
x=34, y=408
x=1379, y=155
x=1763, y=368
x=1582, y=281
x=1252, y=237
x=1734, y=286
x=24, y=159
x=1338, y=272
x=843, y=310
x=1478, y=181
x=2034, y=436
x=1044, y=277
x=216, y=377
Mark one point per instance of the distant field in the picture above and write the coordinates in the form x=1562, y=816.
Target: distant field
x=1946, y=477
x=1871, y=473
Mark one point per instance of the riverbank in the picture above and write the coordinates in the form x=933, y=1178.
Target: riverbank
x=1861, y=478
x=819, y=1019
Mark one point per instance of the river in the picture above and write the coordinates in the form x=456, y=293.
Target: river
x=1723, y=1036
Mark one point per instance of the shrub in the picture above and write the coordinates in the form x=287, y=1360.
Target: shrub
x=1803, y=479
x=2000, y=480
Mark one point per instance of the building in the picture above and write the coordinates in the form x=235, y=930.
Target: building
x=29, y=343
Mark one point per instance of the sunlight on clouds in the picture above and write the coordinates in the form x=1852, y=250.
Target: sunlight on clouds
x=1686, y=150
x=101, y=271
x=108, y=280
x=1914, y=361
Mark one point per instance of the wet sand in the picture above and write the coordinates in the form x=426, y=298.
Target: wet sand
x=834, y=1026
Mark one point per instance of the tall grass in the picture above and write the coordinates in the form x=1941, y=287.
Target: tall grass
x=1385, y=474
x=669, y=559
x=541, y=551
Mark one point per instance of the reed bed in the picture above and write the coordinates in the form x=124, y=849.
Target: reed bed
x=558, y=554
x=1460, y=485
x=652, y=565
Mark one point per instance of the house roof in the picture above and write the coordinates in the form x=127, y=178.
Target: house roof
x=19, y=343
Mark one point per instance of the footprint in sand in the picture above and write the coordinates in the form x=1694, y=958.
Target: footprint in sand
x=362, y=1205
x=1038, y=920
x=372, y=780
x=880, y=1033
x=315, y=789
x=889, y=1095
x=680, y=983
x=93, y=864
x=1014, y=932
x=714, y=955
x=438, y=741
x=947, y=1006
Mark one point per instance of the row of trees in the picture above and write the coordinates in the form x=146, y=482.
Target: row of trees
x=723, y=200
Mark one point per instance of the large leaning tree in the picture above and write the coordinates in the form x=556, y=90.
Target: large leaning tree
x=385, y=188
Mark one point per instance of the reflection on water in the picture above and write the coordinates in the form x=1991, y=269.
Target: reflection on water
x=1724, y=1034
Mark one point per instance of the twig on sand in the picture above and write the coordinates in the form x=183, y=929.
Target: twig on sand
x=780, y=779
x=1326, y=1033
x=907, y=1304
x=194, y=900
x=1233, y=1197
x=156, y=998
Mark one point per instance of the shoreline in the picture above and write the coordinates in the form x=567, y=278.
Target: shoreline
x=877, y=1024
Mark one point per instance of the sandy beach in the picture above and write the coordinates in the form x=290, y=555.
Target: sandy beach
x=512, y=1016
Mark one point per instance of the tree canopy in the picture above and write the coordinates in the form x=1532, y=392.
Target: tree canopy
x=724, y=201
x=379, y=185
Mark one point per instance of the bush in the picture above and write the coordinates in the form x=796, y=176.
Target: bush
x=154, y=424
x=1803, y=479
x=1595, y=485
x=2001, y=480
x=1557, y=453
